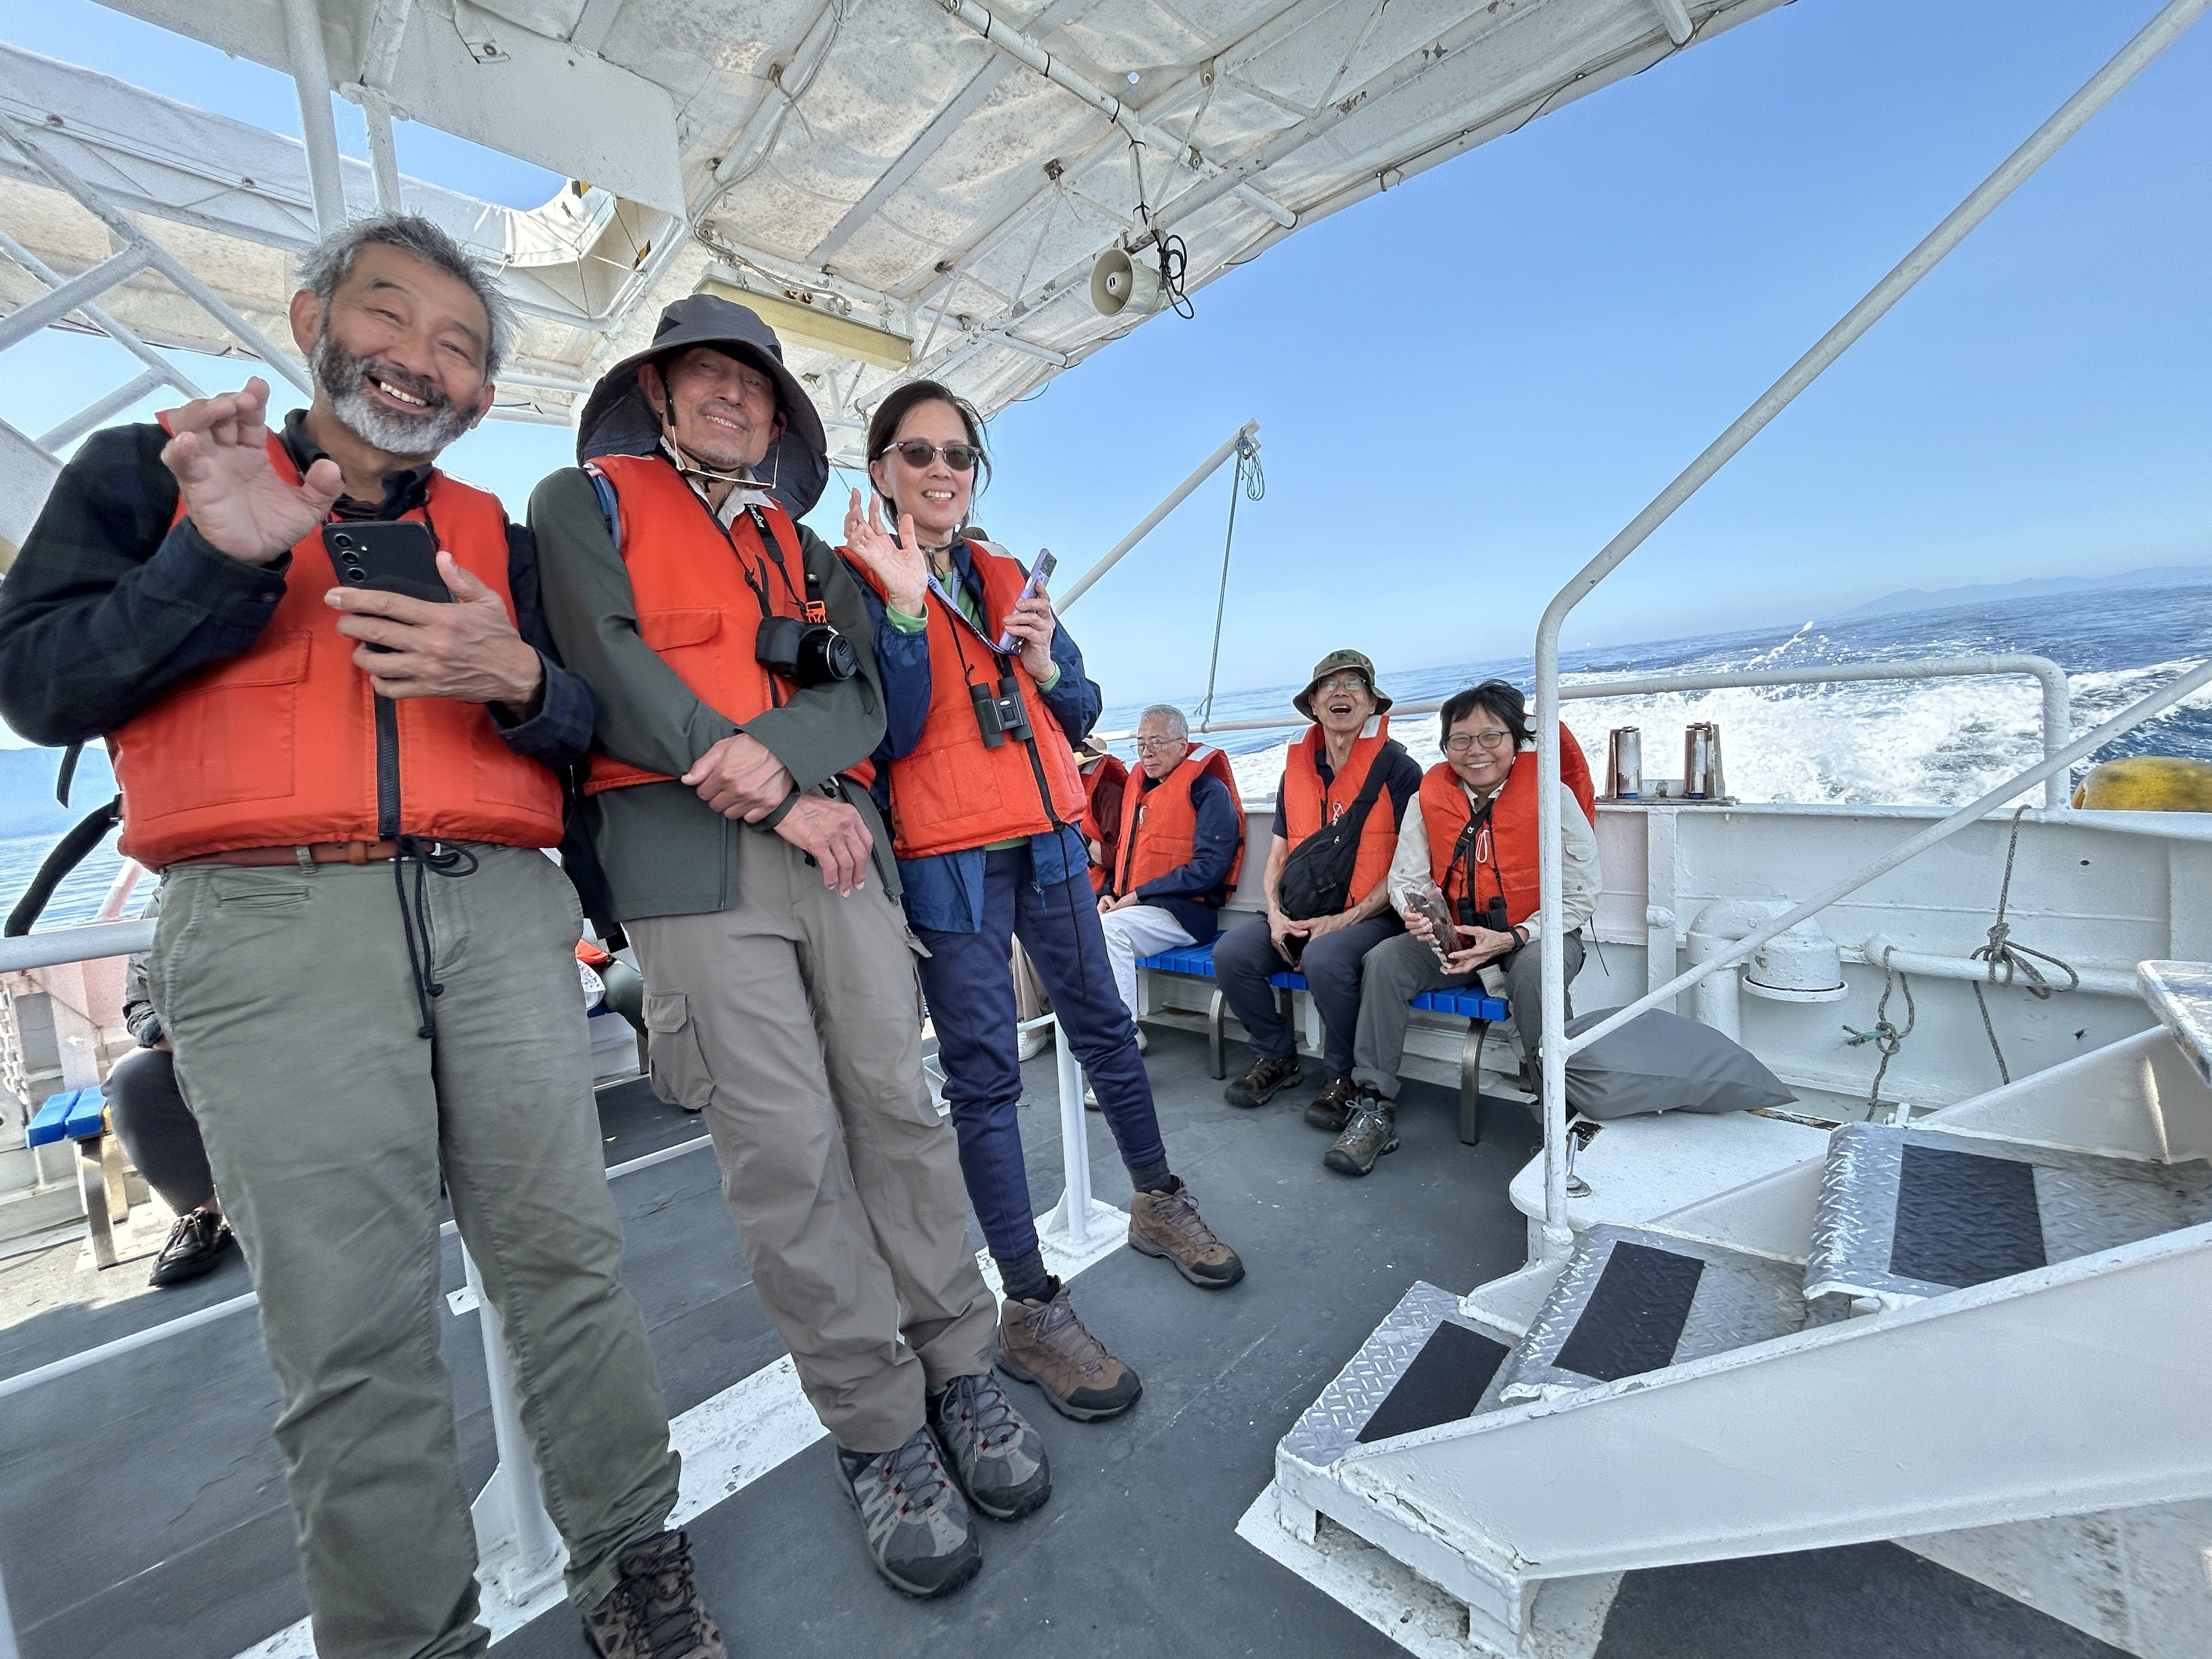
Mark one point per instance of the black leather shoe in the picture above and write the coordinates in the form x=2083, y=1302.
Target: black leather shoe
x=1331, y=1110
x=195, y=1246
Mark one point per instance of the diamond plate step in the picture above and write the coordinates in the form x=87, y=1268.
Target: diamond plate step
x=1631, y=1302
x=1907, y=1214
x=1425, y=1364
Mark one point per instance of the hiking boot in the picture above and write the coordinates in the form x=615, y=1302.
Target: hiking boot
x=1044, y=1343
x=1331, y=1110
x=1168, y=1225
x=195, y=1246
x=1371, y=1132
x=654, y=1612
x=997, y=1457
x=1263, y=1081
x=921, y=1536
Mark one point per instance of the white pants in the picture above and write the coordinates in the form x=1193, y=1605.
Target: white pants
x=1134, y=931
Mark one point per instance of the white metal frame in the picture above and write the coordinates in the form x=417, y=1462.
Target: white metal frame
x=1557, y=1238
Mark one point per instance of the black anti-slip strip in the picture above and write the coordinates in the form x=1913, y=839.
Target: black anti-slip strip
x=1963, y=1218
x=1634, y=1318
x=1448, y=1375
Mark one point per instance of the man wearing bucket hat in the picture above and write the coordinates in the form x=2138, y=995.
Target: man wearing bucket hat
x=1345, y=784
x=726, y=800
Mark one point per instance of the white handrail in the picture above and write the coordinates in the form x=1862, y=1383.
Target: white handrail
x=1248, y=434
x=2057, y=696
x=1557, y=1238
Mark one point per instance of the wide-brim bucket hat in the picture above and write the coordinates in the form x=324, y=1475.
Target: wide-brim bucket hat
x=619, y=420
x=1336, y=663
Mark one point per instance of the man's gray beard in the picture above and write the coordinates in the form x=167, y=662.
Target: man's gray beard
x=343, y=375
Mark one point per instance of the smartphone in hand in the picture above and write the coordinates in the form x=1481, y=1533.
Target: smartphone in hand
x=1038, y=577
x=390, y=555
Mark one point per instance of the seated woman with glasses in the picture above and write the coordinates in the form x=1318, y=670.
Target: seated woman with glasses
x=1472, y=837
x=985, y=693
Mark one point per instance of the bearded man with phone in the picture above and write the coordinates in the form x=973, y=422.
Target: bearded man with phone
x=363, y=959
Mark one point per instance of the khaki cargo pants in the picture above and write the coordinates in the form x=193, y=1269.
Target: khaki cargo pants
x=793, y=1022
x=329, y=1123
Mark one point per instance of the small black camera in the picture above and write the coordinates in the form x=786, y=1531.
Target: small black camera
x=1002, y=717
x=810, y=653
x=1492, y=914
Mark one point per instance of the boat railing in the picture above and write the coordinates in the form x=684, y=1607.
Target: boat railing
x=1557, y=1238
x=2057, y=697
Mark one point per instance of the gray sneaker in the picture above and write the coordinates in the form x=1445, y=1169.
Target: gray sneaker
x=654, y=1612
x=1371, y=1132
x=994, y=1454
x=921, y=1536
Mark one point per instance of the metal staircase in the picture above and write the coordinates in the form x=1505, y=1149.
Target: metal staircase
x=1969, y=1324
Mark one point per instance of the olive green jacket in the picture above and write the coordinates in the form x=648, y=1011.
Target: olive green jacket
x=664, y=852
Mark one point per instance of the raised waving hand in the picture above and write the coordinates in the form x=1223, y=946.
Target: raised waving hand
x=219, y=451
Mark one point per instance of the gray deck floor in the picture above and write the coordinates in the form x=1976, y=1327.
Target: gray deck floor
x=141, y=1508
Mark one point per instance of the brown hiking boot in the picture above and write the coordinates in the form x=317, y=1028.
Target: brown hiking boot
x=1044, y=1343
x=1168, y=1225
x=654, y=1612
x=1331, y=1110
x=1262, y=1081
x=1371, y=1132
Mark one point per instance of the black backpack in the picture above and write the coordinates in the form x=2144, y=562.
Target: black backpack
x=1316, y=877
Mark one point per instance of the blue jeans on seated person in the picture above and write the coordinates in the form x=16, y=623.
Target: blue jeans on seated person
x=1245, y=955
x=971, y=1000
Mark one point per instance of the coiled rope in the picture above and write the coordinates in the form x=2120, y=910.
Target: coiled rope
x=2013, y=961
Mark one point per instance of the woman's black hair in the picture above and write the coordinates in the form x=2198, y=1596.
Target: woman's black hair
x=1502, y=698
x=884, y=425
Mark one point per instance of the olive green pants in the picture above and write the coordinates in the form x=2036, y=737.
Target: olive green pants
x=288, y=995
x=792, y=1023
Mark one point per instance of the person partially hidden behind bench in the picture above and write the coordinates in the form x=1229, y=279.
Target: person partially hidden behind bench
x=1177, y=852
x=163, y=1139
x=1345, y=786
x=1473, y=837
x=363, y=959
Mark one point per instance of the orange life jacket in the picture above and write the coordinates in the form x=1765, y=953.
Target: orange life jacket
x=1504, y=852
x=699, y=594
x=952, y=792
x=278, y=747
x=1159, y=825
x=1104, y=782
x=1308, y=806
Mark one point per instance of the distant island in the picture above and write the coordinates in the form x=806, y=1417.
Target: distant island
x=1941, y=599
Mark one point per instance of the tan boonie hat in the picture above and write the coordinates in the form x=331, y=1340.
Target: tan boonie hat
x=1336, y=662
x=1092, y=750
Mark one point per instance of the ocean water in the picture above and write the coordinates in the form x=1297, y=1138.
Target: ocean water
x=1942, y=742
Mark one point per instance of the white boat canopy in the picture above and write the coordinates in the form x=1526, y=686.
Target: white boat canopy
x=900, y=187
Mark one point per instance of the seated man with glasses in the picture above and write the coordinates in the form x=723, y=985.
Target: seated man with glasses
x=1474, y=838
x=1178, y=850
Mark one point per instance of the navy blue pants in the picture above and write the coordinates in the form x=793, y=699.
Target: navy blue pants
x=1245, y=955
x=971, y=998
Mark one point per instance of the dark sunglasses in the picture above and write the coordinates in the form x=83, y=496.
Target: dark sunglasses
x=961, y=457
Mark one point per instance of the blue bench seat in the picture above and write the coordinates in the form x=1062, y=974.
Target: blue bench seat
x=1472, y=1003
x=69, y=1114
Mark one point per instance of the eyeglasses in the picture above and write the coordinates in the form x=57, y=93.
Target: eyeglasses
x=961, y=457
x=1344, y=682
x=1460, y=742
x=1153, y=745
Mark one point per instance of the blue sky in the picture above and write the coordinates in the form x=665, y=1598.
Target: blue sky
x=1467, y=384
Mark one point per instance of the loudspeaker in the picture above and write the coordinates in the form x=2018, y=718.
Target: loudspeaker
x=1119, y=283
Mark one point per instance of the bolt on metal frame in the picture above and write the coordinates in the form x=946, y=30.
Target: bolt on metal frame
x=1557, y=1238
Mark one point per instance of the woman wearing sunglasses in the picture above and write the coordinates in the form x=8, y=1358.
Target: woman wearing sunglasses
x=984, y=694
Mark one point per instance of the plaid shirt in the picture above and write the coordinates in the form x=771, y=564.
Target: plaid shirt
x=108, y=606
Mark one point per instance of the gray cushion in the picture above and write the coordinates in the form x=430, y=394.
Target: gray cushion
x=1659, y=1062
